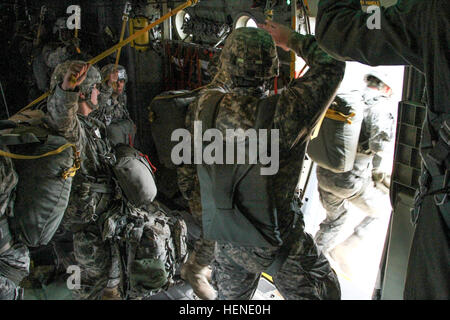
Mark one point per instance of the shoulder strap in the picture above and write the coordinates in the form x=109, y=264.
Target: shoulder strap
x=209, y=113
x=293, y=235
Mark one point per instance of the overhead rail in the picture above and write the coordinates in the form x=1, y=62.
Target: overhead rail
x=123, y=43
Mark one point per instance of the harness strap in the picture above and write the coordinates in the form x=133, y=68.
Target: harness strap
x=339, y=116
x=293, y=235
x=5, y=235
x=70, y=172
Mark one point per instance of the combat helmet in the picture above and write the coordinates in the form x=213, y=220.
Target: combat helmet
x=382, y=76
x=93, y=77
x=60, y=28
x=250, y=53
x=108, y=69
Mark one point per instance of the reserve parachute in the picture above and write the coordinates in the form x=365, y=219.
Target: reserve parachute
x=336, y=144
x=134, y=172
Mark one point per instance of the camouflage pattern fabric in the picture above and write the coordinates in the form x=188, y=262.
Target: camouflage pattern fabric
x=305, y=275
x=51, y=56
x=55, y=56
x=111, y=108
x=15, y=261
x=95, y=246
x=342, y=30
x=8, y=290
x=14, y=266
x=8, y=181
x=190, y=188
x=155, y=243
x=187, y=175
x=92, y=254
x=298, y=109
x=261, y=61
x=355, y=186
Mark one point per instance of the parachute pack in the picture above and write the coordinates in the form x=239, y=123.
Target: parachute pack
x=45, y=163
x=167, y=112
x=232, y=211
x=134, y=172
x=336, y=144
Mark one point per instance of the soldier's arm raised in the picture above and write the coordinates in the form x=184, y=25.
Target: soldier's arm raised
x=304, y=101
x=62, y=105
x=388, y=36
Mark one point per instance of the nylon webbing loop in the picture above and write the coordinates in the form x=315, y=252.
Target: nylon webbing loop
x=66, y=174
x=334, y=115
x=339, y=116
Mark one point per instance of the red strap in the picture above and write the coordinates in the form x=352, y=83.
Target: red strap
x=130, y=140
x=148, y=160
x=275, y=85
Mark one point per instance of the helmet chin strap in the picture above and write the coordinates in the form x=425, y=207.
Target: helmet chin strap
x=91, y=105
x=88, y=101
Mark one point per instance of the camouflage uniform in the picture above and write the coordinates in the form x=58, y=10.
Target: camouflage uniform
x=187, y=175
x=53, y=54
x=92, y=187
x=14, y=256
x=356, y=186
x=190, y=188
x=306, y=274
x=113, y=109
x=104, y=224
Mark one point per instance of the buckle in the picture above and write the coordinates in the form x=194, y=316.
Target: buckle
x=441, y=202
x=444, y=199
x=94, y=217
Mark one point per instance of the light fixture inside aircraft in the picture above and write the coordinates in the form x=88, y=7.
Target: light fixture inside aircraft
x=245, y=21
x=180, y=18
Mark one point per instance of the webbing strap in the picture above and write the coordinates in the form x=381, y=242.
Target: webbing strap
x=181, y=94
x=70, y=172
x=334, y=115
x=339, y=116
x=47, y=154
x=293, y=235
x=5, y=235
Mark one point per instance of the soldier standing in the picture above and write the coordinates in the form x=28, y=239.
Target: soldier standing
x=336, y=190
x=197, y=270
x=250, y=59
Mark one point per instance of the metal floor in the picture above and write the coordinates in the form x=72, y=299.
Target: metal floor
x=265, y=291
